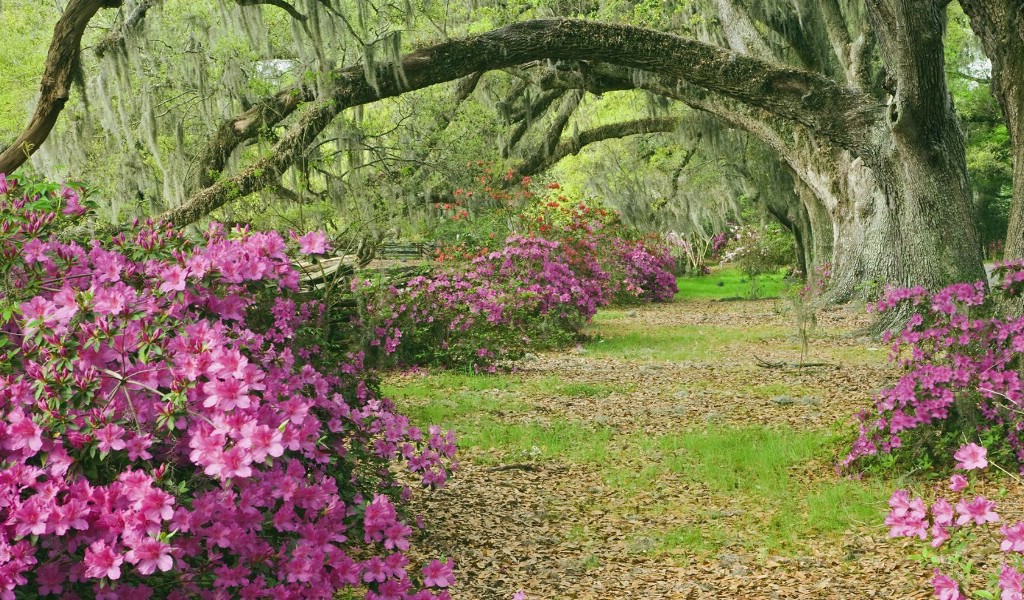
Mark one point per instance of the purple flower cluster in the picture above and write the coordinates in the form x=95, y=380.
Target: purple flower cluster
x=648, y=272
x=163, y=432
x=960, y=365
x=493, y=307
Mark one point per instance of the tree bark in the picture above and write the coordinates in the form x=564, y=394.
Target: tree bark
x=132, y=22
x=533, y=162
x=1000, y=26
x=924, y=216
x=62, y=61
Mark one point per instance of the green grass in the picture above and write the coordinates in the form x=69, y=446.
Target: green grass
x=685, y=342
x=729, y=284
x=563, y=440
x=474, y=405
x=691, y=538
x=776, y=480
x=750, y=461
x=445, y=384
x=765, y=472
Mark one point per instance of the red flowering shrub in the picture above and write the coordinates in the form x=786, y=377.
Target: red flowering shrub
x=169, y=426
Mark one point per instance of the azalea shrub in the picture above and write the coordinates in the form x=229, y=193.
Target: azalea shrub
x=758, y=251
x=493, y=297
x=172, y=426
x=530, y=294
x=959, y=531
x=640, y=269
x=961, y=361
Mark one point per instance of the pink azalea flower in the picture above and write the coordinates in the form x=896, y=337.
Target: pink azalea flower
x=1011, y=584
x=1014, y=540
x=110, y=437
x=439, y=574
x=173, y=279
x=942, y=512
x=101, y=561
x=945, y=587
x=149, y=555
x=971, y=456
x=374, y=570
x=138, y=447
x=520, y=595
x=939, y=535
x=71, y=197
x=978, y=510
x=314, y=242
x=957, y=482
x=23, y=433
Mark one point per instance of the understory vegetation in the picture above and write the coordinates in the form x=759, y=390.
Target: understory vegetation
x=503, y=300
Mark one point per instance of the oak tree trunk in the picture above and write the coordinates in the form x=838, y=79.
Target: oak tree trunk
x=1000, y=26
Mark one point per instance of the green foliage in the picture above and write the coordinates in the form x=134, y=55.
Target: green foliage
x=989, y=155
x=729, y=283
x=27, y=25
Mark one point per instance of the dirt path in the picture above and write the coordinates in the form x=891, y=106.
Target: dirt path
x=621, y=510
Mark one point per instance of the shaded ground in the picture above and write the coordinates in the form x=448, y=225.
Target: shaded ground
x=660, y=461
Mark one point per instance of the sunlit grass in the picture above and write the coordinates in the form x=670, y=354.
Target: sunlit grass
x=680, y=343
x=730, y=283
x=749, y=461
x=762, y=471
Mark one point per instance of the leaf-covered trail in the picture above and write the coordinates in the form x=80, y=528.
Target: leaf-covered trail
x=661, y=461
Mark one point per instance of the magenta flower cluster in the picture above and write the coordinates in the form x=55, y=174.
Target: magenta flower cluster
x=494, y=307
x=942, y=521
x=648, y=272
x=531, y=293
x=961, y=365
x=164, y=432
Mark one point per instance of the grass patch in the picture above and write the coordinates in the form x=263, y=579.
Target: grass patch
x=768, y=474
x=554, y=386
x=565, y=440
x=685, y=342
x=730, y=283
x=752, y=461
x=836, y=507
x=772, y=390
x=691, y=538
x=447, y=382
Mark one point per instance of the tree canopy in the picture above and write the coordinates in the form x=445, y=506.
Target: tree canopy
x=834, y=118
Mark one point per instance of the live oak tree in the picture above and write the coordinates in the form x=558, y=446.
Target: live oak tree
x=851, y=97
x=1000, y=26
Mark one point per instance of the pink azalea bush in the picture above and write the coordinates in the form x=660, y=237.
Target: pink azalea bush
x=961, y=360
x=491, y=299
x=648, y=271
x=958, y=530
x=530, y=293
x=171, y=427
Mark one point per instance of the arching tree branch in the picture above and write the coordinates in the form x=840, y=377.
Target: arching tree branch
x=132, y=22
x=833, y=111
x=534, y=161
x=62, y=60
x=533, y=108
x=288, y=8
x=572, y=146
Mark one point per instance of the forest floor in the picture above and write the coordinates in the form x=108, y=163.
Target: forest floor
x=661, y=459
